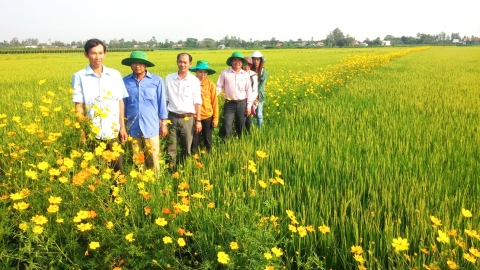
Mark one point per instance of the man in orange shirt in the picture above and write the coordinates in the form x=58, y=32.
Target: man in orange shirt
x=209, y=108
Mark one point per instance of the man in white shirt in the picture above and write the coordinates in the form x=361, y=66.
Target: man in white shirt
x=184, y=99
x=98, y=94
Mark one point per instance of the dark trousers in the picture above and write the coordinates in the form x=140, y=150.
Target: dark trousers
x=180, y=130
x=116, y=165
x=234, y=109
x=206, y=133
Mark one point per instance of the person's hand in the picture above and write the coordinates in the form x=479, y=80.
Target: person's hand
x=122, y=135
x=214, y=125
x=163, y=130
x=248, y=111
x=198, y=126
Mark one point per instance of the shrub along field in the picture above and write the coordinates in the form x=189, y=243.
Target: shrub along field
x=368, y=159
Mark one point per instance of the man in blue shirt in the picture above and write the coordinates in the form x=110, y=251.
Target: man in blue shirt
x=145, y=109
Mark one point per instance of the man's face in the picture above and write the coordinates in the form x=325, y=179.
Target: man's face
x=202, y=74
x=236, y=64
x=96, y=55
x=138, y=68
x=183, y=63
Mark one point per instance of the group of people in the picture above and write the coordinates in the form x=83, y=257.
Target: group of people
x=183, y=108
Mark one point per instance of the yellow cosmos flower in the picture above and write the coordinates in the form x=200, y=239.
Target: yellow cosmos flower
x=37, y=229
x=39, y=219
x=23, y=226
x=21, y=206
x=277, y=251
x=436, y=221
x=262, y=183
x=466, y=213
x=94, y=245
x=356, y=249
x=88, y=156
x=198, y=195
x=269, y=267
x=400, y=244
x=31, y=174
x=54, y=172
x=469, y=258
x=43, y=165
x=109, y=225
x=42, y=81
x=292, y=228
x=474, y=252
x=472, y=233
x=161, y=222
x=167, y=240
x=324, y=229
x=223, y=257
x=233, y=245
x=211, y=205
x=83, y=227
x=268, y=255
x=60, y=220
x=359, y=258
x=63, y=179
x=261, y=154
x=443, y=237
x=54, y=200
x=302, y=231
x=129, y=237
x=181, y=242
x=68, y=162
x=17, y=196
x=53, y=208
x=452, y=265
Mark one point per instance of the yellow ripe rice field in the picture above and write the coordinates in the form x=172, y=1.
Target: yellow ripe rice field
x=368, y=159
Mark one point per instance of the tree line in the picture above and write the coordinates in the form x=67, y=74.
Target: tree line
x=335, y=38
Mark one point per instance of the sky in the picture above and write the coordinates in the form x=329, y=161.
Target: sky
x=67, y=21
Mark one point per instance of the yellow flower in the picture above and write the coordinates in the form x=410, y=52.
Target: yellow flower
x=23, y=226
x=474, y=252
x=262, y=183
x=167, y=240
x=223, y=257
x=268, y=267
x=42, y=165
x=261, y=154
x=466, y=213
x=68, y=162
x=233, y=245
x=109, y=225
x=59, y=220
x=94, y=245
x=17, y=196
x=63, y=179
x=39, y=219
x=21, y=205
x=400, y=244
x=452, y=265
x=181, y=242
x=436, y=221
x=356, y=249
x=82, y=214
x=443, y=237
x=359, y=258
x=324, y=229
x=198, y=195
x=211, y=205
x=53, y=208
x=277, y=251
x=302, y=231
x=42, y=81
x=54, y=172
x=129, y=237
x=37, y=229
x=54, y=200
x=472, y=233
x=267, y=255
x=161, y=222
x=278, y=172
x=31, y=174
x=84, y=227
x=292, y=228
x=469, y=258
x=88, y=156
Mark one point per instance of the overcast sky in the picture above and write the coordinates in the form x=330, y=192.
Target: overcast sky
x=68, y=21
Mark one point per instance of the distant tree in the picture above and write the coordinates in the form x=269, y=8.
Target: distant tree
x=273, y=41
x=191, y=42
x=15, y=42
x=376, y=42
x=208, y=43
